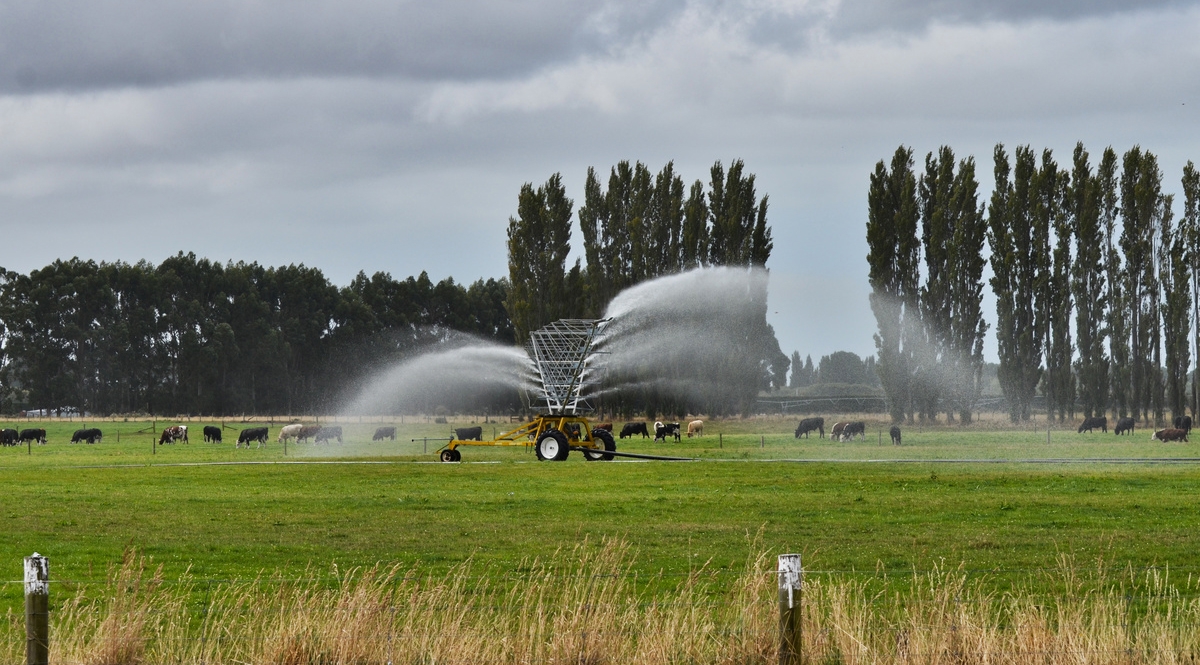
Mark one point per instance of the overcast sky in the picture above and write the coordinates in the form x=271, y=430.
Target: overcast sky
x=363, y=135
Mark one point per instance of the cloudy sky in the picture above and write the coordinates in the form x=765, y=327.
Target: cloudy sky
x=363, y=135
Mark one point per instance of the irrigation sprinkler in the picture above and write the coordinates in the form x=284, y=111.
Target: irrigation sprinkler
x=561, y=353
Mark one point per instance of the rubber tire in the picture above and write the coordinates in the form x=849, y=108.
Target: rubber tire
x=556, y=447
x=450, y=455
x=606, y=440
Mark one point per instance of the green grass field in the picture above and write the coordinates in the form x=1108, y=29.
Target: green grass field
x=359, y=503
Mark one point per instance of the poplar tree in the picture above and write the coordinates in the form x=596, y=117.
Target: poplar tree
x=1141, y=206
x=1088, y=285
x=1118, y=299
x=1174, y=274
x=738, y=233
x=1190, y=229
x=539, y=240
x=1016, y=272
x=893, y=255
x=1052, y=223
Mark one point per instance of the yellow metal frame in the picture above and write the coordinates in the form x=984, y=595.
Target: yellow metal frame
x=527, y=434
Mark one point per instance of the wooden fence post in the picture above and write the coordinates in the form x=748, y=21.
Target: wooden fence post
x=789, y=609
x=37, y=610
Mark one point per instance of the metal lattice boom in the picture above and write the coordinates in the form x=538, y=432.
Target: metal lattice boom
x=561, y=351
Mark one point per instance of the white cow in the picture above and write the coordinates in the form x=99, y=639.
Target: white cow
x=290, y=432
x=695, y=427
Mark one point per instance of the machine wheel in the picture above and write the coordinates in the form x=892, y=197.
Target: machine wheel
x=552, y=446
x=451, y=455
x=605, y=439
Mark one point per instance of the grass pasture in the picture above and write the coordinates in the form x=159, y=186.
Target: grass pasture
x=998, y=510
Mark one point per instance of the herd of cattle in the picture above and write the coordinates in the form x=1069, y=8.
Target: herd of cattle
x=212, y=434
x=1182, y=426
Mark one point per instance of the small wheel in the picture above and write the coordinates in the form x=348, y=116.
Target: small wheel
x=451, y=455
x=457, y=455
x=552, y=446
x=604, y=439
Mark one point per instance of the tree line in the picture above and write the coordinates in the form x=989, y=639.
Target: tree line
x=196, y=336
x=636, y=226
x=1096, y=283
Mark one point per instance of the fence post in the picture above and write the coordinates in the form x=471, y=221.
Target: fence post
x=762, y=441
x=789, y=609
x=720, y=439
x=37, y=610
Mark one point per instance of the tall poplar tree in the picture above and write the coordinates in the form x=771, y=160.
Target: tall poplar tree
x=1174, y=274
x=1141, y=206
x=893, y=255
x=738, y=233
x=1118, y=300
x=539, y=240
x=1190, y=228
x=1053, y=223
x=1088, y=285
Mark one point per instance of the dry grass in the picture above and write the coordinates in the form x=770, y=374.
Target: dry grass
x=582, y=607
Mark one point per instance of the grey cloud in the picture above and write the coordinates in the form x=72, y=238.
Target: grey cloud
x=854, y=16
x=90, y=44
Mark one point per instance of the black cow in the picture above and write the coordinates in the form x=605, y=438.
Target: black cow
x=895, y=432
x=91, y=435
x=249, y=434
x=634, y=428
x=810, y=424
x=663, y=430
x=327, y=433
x=856, y=428
x=1124, y=426
x=212, y=434
x=1091, y=423
x=8, y=437
x=469, y=434
x=38, y=435
x=1184, y=423
x=382, y=433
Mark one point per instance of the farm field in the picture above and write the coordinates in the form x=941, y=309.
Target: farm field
x=258, y=512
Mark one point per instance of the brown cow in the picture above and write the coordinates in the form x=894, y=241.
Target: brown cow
x=836, y=432
x=307, y=432
x=1170, y=434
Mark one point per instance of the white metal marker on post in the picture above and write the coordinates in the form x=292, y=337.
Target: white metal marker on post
x=37, y=610
x=789, y=609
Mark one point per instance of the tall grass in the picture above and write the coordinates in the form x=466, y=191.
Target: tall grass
x=583, y=607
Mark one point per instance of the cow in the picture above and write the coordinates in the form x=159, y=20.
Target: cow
x=382, y=433
x=469, y=433
x=8, y=437
x=662, y=431
x=249, y=434
x=212, y=434
x=607, y=427
x=696, y=427
x=32, y=434
x=809, y=424
x=307, y=432
x=91, y=435
x=173, y=434
x=290, y=432
x=856, y=428
x=836, y=432
x=634, y=428
x=1092, y=423
x=895, y=433
x=327, y=433
x=1171, y=434
x=1124, y=425
x=1184, y=423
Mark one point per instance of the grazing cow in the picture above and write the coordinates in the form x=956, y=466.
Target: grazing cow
x=895, y=432
x=8, y=437
x=1092, y=423
x=307, y=432
x=808, y=425
x=836, y=432
x=290, y=432
x=1184, y=423
x=382, y=433
x=91, y=435
x=249, y=434
x=212, y=434
x=327, y=433
x=607, y=427
x=173, y=434
x=1124, y=425
x=662, y=431
x=469, y=433
x=1171, y=434
x=32, y=434
x=856, y=428
x=696, y=427
x=634, y=428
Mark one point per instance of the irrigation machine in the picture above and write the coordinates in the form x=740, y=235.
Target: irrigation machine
x=561, y=353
